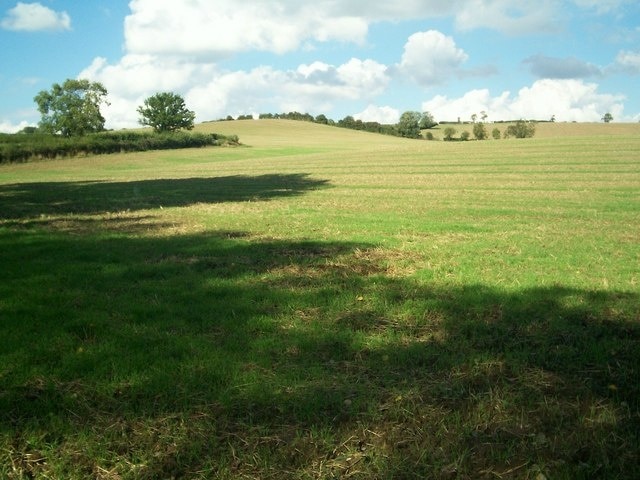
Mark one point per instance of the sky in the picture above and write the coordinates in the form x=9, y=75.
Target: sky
x=571, y=60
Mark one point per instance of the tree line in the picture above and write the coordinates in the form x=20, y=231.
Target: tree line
x=72, y=124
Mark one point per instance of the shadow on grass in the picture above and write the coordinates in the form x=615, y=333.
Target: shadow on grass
x=153, y=358
x=27, y=200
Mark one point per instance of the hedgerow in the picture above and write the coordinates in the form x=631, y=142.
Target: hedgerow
x=24, y=147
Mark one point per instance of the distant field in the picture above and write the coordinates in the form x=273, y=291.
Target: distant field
x=321, y=303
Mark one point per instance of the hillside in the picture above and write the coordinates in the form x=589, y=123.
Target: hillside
x=288, y=132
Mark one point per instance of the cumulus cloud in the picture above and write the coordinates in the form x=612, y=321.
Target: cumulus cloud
x=34, y=17
x=199, y=29
x=549, y=67
x=9, y=127
x=431, y=57
x=567, y=100
x=213, y=93
x=384, y=115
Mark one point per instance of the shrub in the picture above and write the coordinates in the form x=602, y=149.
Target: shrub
x=449, y=132
x=479, y=131
x=496, y=134
x=521, y=129
x=464, y=136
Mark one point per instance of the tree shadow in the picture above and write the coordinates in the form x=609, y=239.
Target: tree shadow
x=27, y=200
x=205, y=352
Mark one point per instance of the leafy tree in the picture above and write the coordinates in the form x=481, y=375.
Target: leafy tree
x=409, y=125
x=322, y=119
x=427, y=121
x=521, y=129
x=496, y=133
x=72, y=108
x=607, y=117
x=465, y=135
x=479, y=131
x=449, y=132
x=474, y=117
x=166, y=112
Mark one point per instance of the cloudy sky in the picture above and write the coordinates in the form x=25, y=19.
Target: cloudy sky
x=572, y=59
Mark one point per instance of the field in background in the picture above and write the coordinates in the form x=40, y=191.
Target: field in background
x=325, y=303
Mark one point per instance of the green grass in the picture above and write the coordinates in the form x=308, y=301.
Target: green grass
x=323, y=304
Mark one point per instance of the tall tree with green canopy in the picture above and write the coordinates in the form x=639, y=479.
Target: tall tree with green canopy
x=73, y=108
x=409, y=124
x=166, y=112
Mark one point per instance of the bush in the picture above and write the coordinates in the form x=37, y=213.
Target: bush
x=464, y=136
x=521, y=129
x=496, y=134
x=449, y=132
x=479, y=131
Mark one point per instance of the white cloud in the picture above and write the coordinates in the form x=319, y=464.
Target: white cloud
x=568, y=100
x=384, y=115
x=198, y=28
x=212, y=93
x=431, y=57
x=33, y=17
x=628, y=62
x=507, y=16
x=9, y=127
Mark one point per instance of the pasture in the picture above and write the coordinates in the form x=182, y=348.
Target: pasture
x=322, y=303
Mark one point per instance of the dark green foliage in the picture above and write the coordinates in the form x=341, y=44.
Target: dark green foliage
x=166, y=112
x=607, y=117
x=496, y=134
x=427, y=121
x=72, y=109
x=409, y=125
x=479, y=131
x=521, y=129
x=21, y=148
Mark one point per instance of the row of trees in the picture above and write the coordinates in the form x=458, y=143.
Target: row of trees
x=73, y=109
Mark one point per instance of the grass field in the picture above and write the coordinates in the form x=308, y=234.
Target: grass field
x=325, y=304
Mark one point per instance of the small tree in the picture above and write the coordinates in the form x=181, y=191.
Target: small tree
x=607, y=117
x=496, y=133
x=72, y=108
x=166, y=112
x=409, y=125
x=427, y=121
x=449, y=132
x=521, y=129
x=479, y=131
x=464, y=136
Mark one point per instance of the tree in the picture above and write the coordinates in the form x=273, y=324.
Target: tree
x=464, y=136
x=72, y=108
x=166, y=112
x=479, y=131
x=409, y=125
x=449, y=132
x=496, y=133
x=427, y=121
x=474, y=117
x=521, y=129
x=607, y=117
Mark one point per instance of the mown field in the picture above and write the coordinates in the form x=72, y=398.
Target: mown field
x=325, y=304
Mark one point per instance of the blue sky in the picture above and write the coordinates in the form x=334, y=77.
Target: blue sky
x=574, y=60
